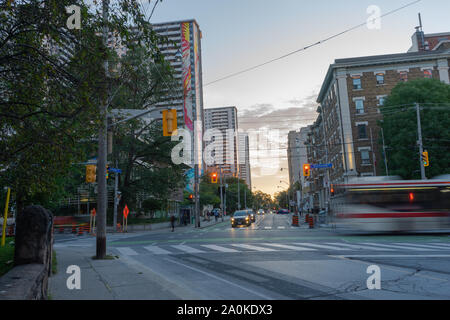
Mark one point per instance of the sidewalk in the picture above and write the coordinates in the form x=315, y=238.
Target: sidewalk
x=116, y=279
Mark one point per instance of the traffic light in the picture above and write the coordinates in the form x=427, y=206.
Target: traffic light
x=306, y=170
x=91, y=173
x=191, y=197
x=169, y=122
x=425, y=160
x=214, y=177
x=107, y=171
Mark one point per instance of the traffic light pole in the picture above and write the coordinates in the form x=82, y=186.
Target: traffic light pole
x=419, y=142
x=221, y=188
x=102, y=202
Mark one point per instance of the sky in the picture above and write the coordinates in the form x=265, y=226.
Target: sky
x=238, y=34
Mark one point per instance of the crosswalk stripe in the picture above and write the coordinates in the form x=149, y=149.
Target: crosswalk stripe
x=219, y=248
x=250, y=247
x=267, y=228
x=127, y=251
x=396, y=246
x=436, y=247
x=156, y=250
x=285, y=246
x=358, y=246
x=281, y=227
x=321, y=246
x=187, y=249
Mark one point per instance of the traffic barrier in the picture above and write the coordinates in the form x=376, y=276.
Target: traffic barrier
x=295, y=220
x=311, y=222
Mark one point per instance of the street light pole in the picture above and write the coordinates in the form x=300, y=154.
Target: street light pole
x=419, y=142
x=102, y=200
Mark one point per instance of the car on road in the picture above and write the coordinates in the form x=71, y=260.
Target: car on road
x=260, y=211
x=252, y=215
x=241, y=218
x=283, y=211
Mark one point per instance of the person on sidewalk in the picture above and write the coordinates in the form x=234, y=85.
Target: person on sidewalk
x=172, y=222
x=216, y=214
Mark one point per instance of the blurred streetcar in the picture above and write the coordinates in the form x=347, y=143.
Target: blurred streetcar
x=386, y=205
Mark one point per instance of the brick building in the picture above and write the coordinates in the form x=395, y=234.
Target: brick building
x=346, y=133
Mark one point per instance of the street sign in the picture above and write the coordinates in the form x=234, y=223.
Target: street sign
x=320, y=166
x=126, y=212
x=115, y=170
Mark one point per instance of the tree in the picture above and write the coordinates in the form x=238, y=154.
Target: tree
x=50, y=83
x=399, y=126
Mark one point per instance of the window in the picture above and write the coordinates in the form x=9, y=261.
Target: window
x=403, y=76
x=380, y=78
x=357, y=82
x=428, y=73
x=359, y=106
x=362, y=132
x=381, y=101
x=365, y=157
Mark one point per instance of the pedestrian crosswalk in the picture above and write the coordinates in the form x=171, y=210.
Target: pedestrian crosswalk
x=320, y=247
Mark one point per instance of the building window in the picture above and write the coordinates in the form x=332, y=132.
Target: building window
x=380, y=78
x=365, y=157
x=359, y=106
x=381, y=101
x=357, y=82
x=428, y=74
x=403, y=76
x=362, y=132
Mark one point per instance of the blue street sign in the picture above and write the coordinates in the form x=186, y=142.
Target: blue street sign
x=320, y=166
x=115, y=170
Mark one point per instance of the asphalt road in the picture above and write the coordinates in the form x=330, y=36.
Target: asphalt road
x=273, y=260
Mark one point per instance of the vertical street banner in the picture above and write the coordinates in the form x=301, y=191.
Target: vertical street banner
x=197, y=91
x=187, y=94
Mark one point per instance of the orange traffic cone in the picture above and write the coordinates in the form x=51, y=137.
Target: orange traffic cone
x=61, y=229
x=80, y=230
x=74, y=228
x=311, y=222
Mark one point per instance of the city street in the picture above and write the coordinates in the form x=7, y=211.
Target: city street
x=268, y=260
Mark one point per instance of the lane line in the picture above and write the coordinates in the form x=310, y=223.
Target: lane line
x=396, y=246
x=436, y=247
x=357, y=246
x=187, y=248
x=321, y=246
x=157, y=250
x=221, y=279
x=250, y=247
x=127, y=251
x=392, y=256
x=219, y=248
x=285, y=246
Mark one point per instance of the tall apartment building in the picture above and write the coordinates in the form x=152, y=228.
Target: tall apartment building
x=225, y=119
x=183, y=52
x=244, y=159
x=346, y=133
x=293, y=155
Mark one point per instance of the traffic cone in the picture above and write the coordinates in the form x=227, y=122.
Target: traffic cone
x=80, y=230
x=61, y=229
x=311, y=222
x=307, y=218
x=119, y=228
x=74, y=228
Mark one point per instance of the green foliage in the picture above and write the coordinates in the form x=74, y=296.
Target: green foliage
x=400, y=128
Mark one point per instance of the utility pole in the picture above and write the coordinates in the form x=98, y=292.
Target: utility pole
x=384, y=152
x=116, y=200
x=102, y=200
x=239, y=194
x=197, y=196
x=221, y=188
x=419, y=142
x=245, y=198
x=374, y=161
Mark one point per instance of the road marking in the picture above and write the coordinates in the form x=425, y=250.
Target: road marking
x=127, y=251
x=156, y=250
x=393, y=256
x=321, y=246
x=357, y=246
x=436, y=247
x=396, y=247
x=219, y=248
x=250, y=247
x=281, y=227
x=267, y=228
x=187, y=249
x=208, y=274
x=285, y=246
x=447, y=245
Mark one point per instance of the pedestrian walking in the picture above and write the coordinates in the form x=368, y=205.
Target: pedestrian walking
x=172, y=222
x=216, y=214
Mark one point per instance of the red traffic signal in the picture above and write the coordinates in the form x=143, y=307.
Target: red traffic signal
x=214, y=177
x=191, y=196
x=306, y=170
